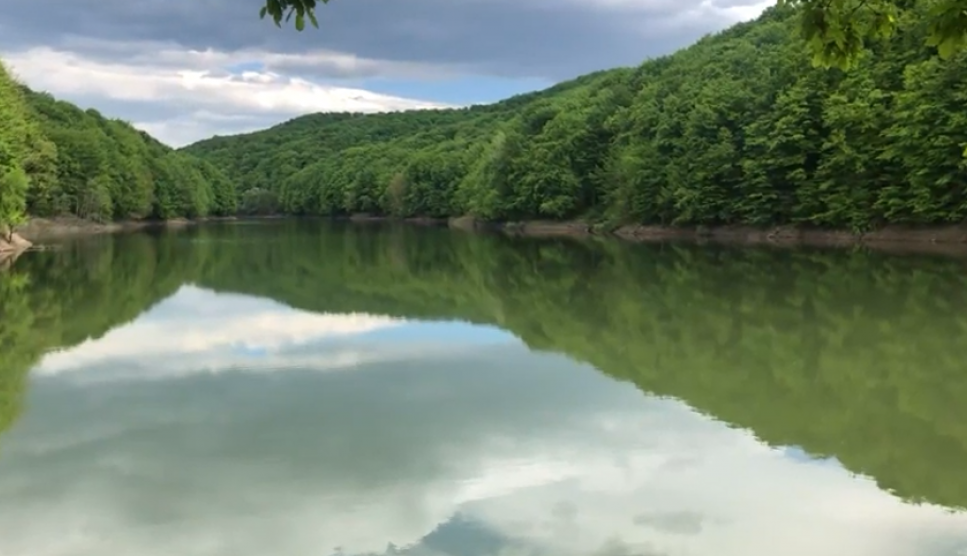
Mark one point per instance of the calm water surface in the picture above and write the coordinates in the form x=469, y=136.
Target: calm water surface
x=297, y=388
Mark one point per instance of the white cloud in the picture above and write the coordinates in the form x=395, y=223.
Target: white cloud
x=530, y=446
x=676, y=13
x=102, y=53
x=69, y=73
x=191, y=126
x=198, y=331
x=735, y=11
x=214, y=332
x=560, y=494
x=176, y=85
x=176, y=73
x=200, y=83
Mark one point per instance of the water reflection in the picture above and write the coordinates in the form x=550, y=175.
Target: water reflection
x=199, y=330
x=228, y=424
x=295, y=388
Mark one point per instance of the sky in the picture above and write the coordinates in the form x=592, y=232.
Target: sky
x=345, y=434
x=184, y=70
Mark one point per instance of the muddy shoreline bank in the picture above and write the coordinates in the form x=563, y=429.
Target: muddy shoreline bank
x=947, y=240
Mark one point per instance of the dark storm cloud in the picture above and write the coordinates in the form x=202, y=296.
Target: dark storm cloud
x=515, y=38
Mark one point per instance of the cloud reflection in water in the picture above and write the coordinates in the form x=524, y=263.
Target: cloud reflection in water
x=265, y=430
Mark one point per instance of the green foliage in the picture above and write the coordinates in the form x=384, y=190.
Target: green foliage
x=16, y=135
x=13, y=198
x=738, y=129
x=302, y=9
x=56, y=159
x=836, y=31
x=105, y=170
x=257, y=201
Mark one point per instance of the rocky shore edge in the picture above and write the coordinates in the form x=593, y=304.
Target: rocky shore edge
x=11, y=246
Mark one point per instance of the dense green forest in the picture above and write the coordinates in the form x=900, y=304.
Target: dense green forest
x=19, y=139
x=738, y=129
x=848, y=354
x=56, y=159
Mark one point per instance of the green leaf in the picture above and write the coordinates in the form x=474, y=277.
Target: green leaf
x=275, y=8
x=300, y=22
x=947, y=48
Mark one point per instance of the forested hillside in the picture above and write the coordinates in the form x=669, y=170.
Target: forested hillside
x=737, y=129
x=19, y=138
x=56, y=159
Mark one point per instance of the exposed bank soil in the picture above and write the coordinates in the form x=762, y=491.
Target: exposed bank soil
x=948, y=240
x=363, y=218
x=42, y=229
x=951, y=240
x=11, y=247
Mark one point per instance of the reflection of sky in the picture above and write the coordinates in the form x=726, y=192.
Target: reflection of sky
x=199, y=330
x=798, y=454
x=438, y=439
x=462, y=333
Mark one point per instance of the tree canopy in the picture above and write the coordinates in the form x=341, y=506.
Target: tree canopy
x=836, y=31
x=736, y=130
x=58, y=159
x=18, y=137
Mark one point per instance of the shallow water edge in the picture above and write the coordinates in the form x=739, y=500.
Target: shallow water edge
x=944, y=240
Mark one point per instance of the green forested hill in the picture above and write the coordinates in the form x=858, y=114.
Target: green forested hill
x=19, y=138
x=57, y=159
x=737, y=129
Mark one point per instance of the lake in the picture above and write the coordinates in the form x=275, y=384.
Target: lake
x=310, y=388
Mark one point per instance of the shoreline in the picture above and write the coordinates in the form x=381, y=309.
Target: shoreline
x=946, y=240
x=41, y=229
x=11, y=248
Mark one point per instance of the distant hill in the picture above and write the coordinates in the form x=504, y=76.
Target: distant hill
x=739, y=128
